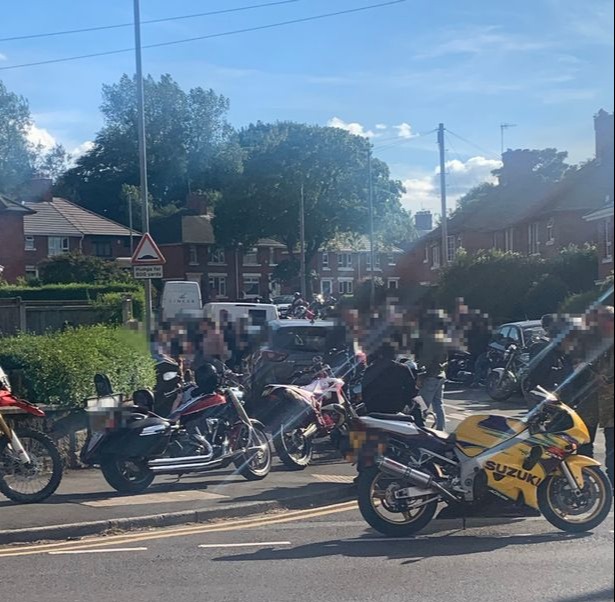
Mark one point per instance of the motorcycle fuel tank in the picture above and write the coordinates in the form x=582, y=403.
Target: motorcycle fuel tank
x=478, y=433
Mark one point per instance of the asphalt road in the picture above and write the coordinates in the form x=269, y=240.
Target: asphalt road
x=328, y=554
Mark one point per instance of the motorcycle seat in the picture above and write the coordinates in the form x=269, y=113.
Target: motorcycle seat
x=442, y=435
x=396, y=417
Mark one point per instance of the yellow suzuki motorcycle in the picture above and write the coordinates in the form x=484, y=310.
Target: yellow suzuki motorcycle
x=406, y=471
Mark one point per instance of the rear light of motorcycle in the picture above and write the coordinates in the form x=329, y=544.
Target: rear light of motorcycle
x=274, y=356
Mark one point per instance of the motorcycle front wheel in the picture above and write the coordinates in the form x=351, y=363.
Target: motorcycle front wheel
x=500, y=387
x=34, y=482
x=255, y=465
x=386, y=514
x=293, y=448
x=564, y=510
x=127, y=475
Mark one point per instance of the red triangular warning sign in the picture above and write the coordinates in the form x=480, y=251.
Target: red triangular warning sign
x=147, y=252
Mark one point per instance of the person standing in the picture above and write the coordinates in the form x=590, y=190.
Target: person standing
x=434, y=356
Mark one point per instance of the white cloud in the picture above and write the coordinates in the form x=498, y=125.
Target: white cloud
x=354, y=128
x=404, y=130
x=40, y=137
x=82, y=149
x=381, y=126
x=423, y=189
x=3, y=57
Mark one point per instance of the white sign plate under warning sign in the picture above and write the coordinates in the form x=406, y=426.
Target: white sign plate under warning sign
x=146, y=272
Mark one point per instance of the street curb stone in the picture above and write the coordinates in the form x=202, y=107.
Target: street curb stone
x=202, y=515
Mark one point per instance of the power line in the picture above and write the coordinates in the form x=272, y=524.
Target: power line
x=208, y=36
x=476, y=146
x=148, y=22
x=399, y=141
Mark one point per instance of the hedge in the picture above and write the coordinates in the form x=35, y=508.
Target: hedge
x=59, y=368
x=109, y=306
x=66, y=292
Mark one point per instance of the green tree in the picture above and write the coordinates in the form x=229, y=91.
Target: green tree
x=75, y=267
x=281, y=160
x=522, y=165
x=189, y=145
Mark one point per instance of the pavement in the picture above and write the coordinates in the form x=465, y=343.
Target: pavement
x=327, y=554
x=85, y=505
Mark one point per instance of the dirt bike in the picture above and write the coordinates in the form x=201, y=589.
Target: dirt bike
x=406, y=471
x=30, y=464
x=303, y=413
x=206, y=430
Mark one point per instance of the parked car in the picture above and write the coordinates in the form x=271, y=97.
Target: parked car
x=291, y=346
x=520, y=334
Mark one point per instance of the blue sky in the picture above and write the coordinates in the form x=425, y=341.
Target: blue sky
x=391, y=73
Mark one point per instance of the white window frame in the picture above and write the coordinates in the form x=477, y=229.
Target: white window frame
x=193, y=255
x=329, y=282
x=325, y=261
x=551, y=232
x=391, y=259
x=533, y=238
x=376, y=261
x=57, y=249
x=426, y=255
x=254, y=280
x=345, y=286
x=31, y=271
x=29, y=243
x=344, y=261
x=217, y=256
x=509, y=240
x=436, y=257
x=217, y=284
x=607, y=240
x=250, y=256
x=393, y=281
x=272, y=261
x=451, y=248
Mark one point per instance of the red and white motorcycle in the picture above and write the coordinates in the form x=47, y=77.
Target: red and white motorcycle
x=305, y=413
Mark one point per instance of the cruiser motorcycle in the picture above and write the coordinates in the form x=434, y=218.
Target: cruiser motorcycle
x=406, y=471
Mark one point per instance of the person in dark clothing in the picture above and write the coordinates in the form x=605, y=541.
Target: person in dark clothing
x=478, y=338
x=388, y=386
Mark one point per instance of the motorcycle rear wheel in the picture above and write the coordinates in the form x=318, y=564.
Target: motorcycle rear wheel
x=388, y=521
x=499, y=388
x=255, y=466
x=127, y=475
x=36, y=444
x=294, y=450
x=564, y=511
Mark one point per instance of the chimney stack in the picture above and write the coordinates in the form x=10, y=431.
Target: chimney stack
x=38, y=189
x=199, y=204
x=603, y=126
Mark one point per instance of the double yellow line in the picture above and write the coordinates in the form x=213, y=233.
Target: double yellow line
x=127, y=538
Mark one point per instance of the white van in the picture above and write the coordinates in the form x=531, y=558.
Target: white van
x=259, y=314
x=181, y=296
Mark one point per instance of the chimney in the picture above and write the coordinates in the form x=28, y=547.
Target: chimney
x=603, y=126
x=199, y=204
x=423, y=221
x=36, y=190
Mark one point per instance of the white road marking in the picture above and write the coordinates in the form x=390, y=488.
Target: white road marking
x=154, y=498
x=101, y=551
x=457, y=416
x=333, y=478
x=454, y=392
x=263, y=544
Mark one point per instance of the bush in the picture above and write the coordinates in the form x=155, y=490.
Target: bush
x=109, y=306
x=59, y=368
x=545, y=296
x=76, y=267
x=67, y=292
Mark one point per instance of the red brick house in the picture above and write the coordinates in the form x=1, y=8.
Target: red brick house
x=12, y=251
x=55, y=226
x=602, y=219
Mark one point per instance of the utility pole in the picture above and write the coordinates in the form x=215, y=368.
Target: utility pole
x=142, y=156
x=130, y=224
x=370, y=194
x=503, y=128
x=302, y=237
x=444, y=224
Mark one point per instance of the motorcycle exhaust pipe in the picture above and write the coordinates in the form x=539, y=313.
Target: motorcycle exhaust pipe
x=161, y=462
x=310, y=430
x=185, y=467
x=416, y=477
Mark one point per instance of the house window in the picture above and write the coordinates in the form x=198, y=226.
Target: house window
x=193, y=253
x=509, y=240
x=31, y=272
x=326, y=287
x=346, y=287
x=217, y=286
x=344, y=261
x=325, y=261
x=251, y=286
x=30, y=243
x=435, y=257
x=376, y=261
x=451, y=248
x=426, y=254
x=551, y=231
x=607, y=238
x=250, y=256
x=272, y=261
x=533, y=238
x=102, y=248
x=57, y=245
x=217, y=255
x=391, y=259
x=393, y=284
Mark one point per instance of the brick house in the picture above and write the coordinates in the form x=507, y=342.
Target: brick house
x=602, y=219
x=55, y=226
x=12, y=251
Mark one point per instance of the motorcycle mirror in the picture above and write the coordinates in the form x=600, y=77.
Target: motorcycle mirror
x=167, y=376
